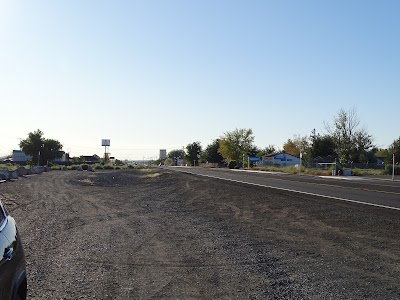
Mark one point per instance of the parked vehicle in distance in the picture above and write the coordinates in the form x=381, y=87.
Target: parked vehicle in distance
x=13, y=285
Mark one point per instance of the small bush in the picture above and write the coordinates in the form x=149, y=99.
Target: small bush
x=73, y=167
x=361, y=172
x=108, y=167
x=117, y=168
x=98, y=167
x=389, y=170
x=85, y=167
x=232, y=164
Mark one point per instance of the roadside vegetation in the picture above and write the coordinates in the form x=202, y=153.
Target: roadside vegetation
x=346, y=144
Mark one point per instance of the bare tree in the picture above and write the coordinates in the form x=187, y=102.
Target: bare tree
x=351, y=142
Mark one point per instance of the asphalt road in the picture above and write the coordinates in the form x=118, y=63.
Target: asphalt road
x=372, y=191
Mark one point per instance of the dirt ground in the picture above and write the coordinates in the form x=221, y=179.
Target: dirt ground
x=157, y=234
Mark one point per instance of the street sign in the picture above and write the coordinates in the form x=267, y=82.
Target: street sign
x=254, y=159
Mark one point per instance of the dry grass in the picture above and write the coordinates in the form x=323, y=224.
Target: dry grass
x=87, y=181
x=151, y=175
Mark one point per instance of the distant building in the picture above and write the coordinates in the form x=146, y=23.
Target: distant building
x=20, y=157
x=163, y=154
x=279, y=159
x=91, y=159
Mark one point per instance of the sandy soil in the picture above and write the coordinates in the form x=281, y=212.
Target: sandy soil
x=156, y=234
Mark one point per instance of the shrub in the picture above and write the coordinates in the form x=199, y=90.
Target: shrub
x=73, y=167
x=108, y=167
x=389, y=169
x=232, y=164
x=361, y=172
x=98, y=167
x=85, y=167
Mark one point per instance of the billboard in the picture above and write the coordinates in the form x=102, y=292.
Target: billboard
x=105, y=142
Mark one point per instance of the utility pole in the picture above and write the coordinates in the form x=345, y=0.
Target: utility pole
x=301, y=156
x=394, y=154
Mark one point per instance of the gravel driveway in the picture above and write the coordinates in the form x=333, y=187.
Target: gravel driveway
x=156, y=234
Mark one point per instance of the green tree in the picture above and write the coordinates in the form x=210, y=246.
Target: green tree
x=267, y=150
x=211, y=154
x=40, y=148
x=351, y=142
x=321, y=145
x=395, y=146
x=51, y=150
x=176, y=154
x=234, y=144
x=254, y=150
x=193, y=151
x=385, y=155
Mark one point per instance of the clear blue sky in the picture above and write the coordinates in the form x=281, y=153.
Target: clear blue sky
x=162, y=74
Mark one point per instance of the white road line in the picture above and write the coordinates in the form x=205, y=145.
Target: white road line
x=295, y=191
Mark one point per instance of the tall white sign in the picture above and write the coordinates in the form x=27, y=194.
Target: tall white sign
x=105, y=142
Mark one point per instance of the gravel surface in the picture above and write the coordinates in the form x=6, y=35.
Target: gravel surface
x=157, y=234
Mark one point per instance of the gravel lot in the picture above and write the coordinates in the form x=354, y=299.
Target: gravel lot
x=157, y=234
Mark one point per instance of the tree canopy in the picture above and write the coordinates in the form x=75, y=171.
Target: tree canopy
x=321, y=145
x=176, y=153
x=395, y=146
x=267, y=150
x=193, y=152
x=234, y=144
x=40, y=148
x=211, y=154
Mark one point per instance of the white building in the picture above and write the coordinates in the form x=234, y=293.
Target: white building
x=279, y=159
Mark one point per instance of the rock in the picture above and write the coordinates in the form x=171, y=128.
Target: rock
x=90, y=169
x=79, y=168
x=21, y=171
x=37, y=170
x=5, y=175
x=13, y=174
